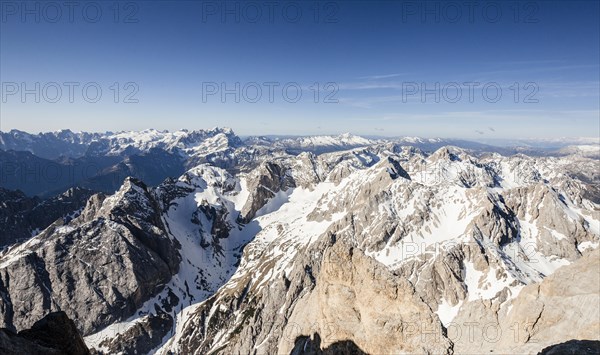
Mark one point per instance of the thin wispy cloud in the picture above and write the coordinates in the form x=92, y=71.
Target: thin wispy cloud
x=373, y=95
x=385, y=76
x=504, y=84
x=370, y=86
x=533, y=69
x=569, y=89
x=370, y=102
x=492, y=115
x=530, y=62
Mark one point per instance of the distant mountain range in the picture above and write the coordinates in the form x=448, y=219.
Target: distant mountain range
x=53, y=145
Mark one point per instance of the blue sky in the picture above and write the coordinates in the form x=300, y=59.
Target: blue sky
x=373, y=62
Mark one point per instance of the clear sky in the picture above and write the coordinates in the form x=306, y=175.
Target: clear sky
x=382, y=68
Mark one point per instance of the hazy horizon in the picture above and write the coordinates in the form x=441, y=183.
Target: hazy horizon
x=497, y=141
x=397, y=68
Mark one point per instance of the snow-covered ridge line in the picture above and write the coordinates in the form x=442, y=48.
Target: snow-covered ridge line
x=200, y=143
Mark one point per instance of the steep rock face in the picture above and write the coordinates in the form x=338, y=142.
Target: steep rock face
x=331, y=291
x=356, y=299
x=98, y=269
x=273, y=179
x=547, y=223
x=562, y=307
x=199, y=212
x=141, y=338
x=337, y=166
x=53, y=334
x=246, y=317
x=264, y=183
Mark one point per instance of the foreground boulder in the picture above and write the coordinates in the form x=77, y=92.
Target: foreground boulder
x=573, y=347
x=53, y=334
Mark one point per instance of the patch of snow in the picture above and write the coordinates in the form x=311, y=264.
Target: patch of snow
x=583, y=246
x=446, y=312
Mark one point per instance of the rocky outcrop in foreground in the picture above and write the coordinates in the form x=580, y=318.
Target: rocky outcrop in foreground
x=53, y=334
x=312, y=346
x=573, y=347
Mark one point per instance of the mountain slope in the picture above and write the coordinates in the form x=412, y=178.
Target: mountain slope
x=98, y=268
x=493, y=253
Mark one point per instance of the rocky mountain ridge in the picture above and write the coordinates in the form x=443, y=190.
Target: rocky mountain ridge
x=195, y=143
